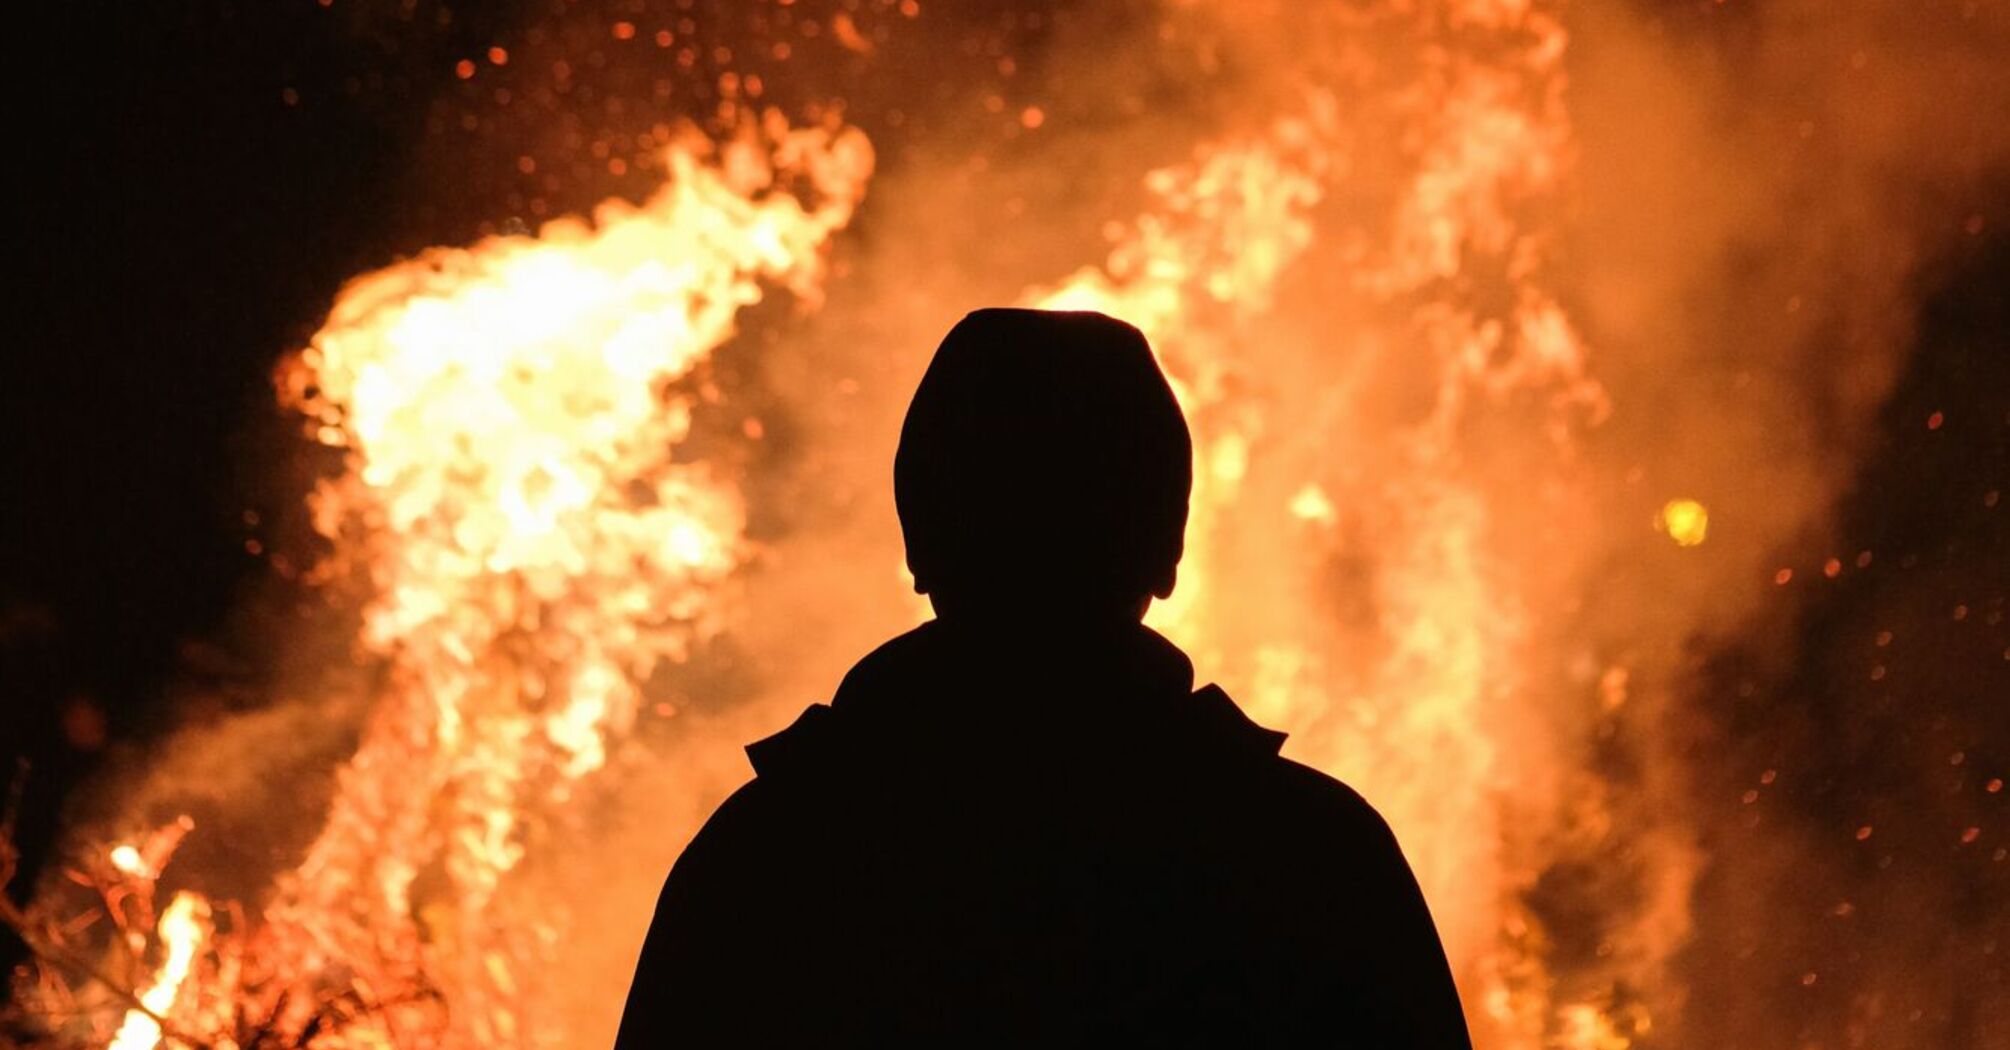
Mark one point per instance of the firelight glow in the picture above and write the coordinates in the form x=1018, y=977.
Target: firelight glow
x=1686, y=521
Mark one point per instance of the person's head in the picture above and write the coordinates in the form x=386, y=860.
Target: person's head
x=1044, y=469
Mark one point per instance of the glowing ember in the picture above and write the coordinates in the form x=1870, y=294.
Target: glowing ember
x=1686, y=521
x=127, y=859
x=1312, y=504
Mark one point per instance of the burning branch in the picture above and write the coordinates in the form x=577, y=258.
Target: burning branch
x=42, y=936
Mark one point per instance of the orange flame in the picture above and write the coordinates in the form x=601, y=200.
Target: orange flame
x=512, y=416
x=183, y=929
x=1420, y=718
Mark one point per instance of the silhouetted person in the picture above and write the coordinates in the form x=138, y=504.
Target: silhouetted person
x=1019, y=824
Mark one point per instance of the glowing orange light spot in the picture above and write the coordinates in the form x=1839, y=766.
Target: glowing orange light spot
x=1934, y=421
x=1686, y=521
x=127, y=858
x=498, y=56
x=1613, y=688
x=464, y=69
x=1863, y=833
x=847, y=34
x=624, y=30
x=1032, y=117
x=1312, y=504
x=1782, y=576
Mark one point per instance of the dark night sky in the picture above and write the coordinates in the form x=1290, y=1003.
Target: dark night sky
x=187, y=220
x=184, y=226
x=194, y=225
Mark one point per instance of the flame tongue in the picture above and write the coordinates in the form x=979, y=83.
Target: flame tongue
x=184, y=927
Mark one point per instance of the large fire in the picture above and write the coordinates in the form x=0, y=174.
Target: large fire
x=545, y=541
x=514, y=495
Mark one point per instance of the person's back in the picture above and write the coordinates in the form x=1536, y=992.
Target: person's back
x=1020, y=822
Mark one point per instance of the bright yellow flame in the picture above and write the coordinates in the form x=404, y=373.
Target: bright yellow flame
x=1223, y=232
x=1585, y=1027
x=1686, y=521
x=512, y=415
x=183, y=928
x=1419, y=702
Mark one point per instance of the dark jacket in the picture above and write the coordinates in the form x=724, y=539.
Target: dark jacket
x=990, y=841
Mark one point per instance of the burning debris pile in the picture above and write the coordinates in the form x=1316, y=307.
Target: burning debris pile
x=1410, y=507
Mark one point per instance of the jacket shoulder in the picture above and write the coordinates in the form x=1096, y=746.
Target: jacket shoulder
x=793, y=747
x=1316, y=795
